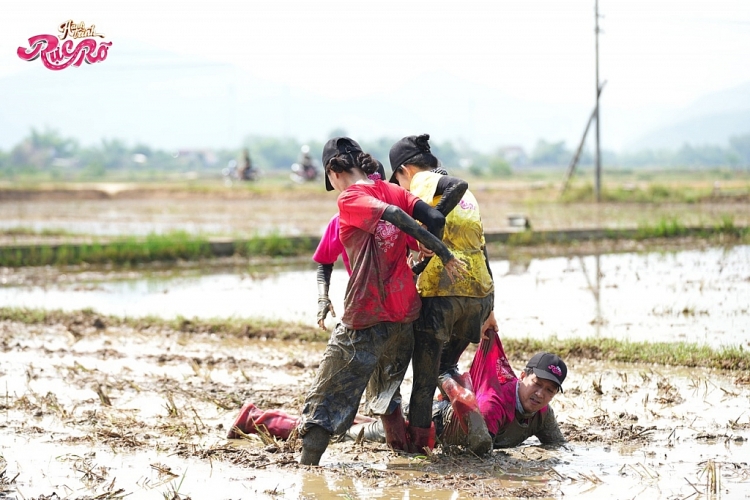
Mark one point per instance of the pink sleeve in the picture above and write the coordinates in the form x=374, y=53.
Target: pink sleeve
x=494, y=385
x=330, y=246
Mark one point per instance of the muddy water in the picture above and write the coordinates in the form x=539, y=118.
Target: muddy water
x=634, y=431
x=698, y=296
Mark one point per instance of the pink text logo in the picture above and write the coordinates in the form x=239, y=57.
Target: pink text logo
x=57, y=56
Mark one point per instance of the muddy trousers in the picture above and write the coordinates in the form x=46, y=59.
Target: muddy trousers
x=375, y=359
x=446, y=326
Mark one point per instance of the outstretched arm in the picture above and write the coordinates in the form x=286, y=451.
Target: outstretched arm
x=452, y=189
x=401, y=220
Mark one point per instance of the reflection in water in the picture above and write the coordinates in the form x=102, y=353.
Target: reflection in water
x=595, y=290
x=693, y=295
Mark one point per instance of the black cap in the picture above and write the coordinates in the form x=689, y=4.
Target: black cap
x=405, y=149
x=549, y=367
x=335, y=146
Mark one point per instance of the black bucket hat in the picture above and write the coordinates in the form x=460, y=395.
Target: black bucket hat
x=336, y=146
x=549, y=367
x=405, y=149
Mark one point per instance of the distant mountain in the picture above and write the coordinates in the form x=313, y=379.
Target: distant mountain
x=712, y=119
x=143, y=94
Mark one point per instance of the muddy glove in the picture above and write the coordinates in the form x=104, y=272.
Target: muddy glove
x=324, y=303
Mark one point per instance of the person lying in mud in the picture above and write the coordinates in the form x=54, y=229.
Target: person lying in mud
x=374, y=340
x=514, y=408
x=452, y=314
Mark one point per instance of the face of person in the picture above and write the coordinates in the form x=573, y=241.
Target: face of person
x=404, y=180
x=334, y=179
x=535, y=393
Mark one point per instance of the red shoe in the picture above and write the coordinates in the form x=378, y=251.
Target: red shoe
x=395, y=430
x=276, y=422
x=461, y=396
x=421, y=439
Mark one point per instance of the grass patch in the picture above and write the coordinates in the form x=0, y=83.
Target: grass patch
x=652, y=193
x=672, y=228
x=124, y=251
x=661, y=353
x=236, y=327
x=664, y=228
x=27, y=231
x=276, y=245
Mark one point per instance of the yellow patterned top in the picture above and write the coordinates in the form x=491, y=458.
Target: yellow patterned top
x=464, y=235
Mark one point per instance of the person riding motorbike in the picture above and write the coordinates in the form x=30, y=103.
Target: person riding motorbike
x=305, y=169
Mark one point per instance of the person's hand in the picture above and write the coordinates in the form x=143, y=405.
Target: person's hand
x=490, y=326
x=424, y=251
x=489, y=331
x=324, y=307
x=455, y=269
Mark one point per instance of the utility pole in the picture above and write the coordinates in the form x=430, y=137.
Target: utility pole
x=598, y=174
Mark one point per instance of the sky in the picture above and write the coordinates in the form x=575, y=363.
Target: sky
x=655, y=55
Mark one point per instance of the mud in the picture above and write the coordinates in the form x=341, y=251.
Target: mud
x=100, y=411
x=305, y=210
x=107, y=410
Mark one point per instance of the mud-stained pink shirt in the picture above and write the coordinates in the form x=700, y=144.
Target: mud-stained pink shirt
x=381, y=287
x=495, y=386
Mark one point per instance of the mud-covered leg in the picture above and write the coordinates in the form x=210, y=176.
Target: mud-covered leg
x=425, y=362
x=451, y=353
x=314, y=443
x=331, y=405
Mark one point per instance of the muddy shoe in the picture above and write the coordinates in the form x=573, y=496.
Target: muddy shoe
x=245, y=421
x=371, y=431
x=251, y=420
x=478, y=438
x=314, y=443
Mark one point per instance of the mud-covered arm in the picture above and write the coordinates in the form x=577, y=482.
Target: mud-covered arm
x=433, y=220
x=401, y=220
x=452, y=189
x=549, y=431
x=324, y=282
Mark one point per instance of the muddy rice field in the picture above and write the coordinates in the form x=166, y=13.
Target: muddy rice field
x=92, y=407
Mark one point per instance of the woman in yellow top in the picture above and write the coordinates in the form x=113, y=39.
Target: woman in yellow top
x=454, y=313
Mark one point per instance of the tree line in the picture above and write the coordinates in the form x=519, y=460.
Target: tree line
x=49, y=152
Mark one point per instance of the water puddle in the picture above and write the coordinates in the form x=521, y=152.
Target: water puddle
x=698, y=296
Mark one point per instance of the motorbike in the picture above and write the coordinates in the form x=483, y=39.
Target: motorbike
x=232, y=173
x=304, y=173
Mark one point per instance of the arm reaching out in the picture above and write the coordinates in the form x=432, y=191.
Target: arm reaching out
x=454, y=267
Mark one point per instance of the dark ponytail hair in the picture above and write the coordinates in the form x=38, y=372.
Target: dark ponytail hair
x=345, y=162
x=342, y=162
x=367, y=163
x=424, y=159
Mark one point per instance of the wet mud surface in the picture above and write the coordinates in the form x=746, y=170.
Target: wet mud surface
x=106, y=411
x=92, y=410
x=305, y=211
